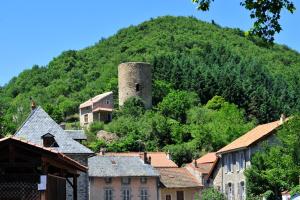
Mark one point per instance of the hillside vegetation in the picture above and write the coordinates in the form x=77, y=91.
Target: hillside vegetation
x=187, y=55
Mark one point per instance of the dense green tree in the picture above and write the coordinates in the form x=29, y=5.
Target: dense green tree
x=212, y=194
x=265, y=12
x=177, y=103
x=267, y=172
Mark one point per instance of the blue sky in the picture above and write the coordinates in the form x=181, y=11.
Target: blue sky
x=35, y=31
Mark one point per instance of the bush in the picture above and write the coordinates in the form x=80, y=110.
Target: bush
x=295, y=190
x=269, y=195
x=212, y=194
x=95, y=127
x=97, y=145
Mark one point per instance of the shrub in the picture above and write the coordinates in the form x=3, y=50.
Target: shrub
x=212, y=194
x=295, y=190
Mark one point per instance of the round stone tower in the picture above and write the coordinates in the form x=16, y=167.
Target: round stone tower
x=135, y=80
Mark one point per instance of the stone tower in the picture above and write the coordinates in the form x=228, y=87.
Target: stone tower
x=135, y=80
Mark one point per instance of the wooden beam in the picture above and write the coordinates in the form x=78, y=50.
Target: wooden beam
x=74, y=187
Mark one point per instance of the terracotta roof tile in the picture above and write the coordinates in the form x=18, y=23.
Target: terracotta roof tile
x=95, y=99
x=251, y=137
x=178, y=178
x=208, y=158
x=158, y=159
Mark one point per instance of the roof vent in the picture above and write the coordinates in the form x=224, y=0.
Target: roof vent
x=49, y=141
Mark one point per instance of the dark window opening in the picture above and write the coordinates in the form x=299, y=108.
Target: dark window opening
x=49, y=141
x=137, y=87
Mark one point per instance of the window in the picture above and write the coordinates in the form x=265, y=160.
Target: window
x=168, y=197
x=229, y=191
x=107, y=101
x=143, y=180
x=180, y=195
x=108, y=194
x=240, y=161
x=241, y=190
x=86, y=118
x=137, y=87
x=144, y=194
x=125, y=180
x=228, y=163
x=126, y=194
x=108, y=180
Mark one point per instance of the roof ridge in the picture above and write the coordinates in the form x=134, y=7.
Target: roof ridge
x=30, y=114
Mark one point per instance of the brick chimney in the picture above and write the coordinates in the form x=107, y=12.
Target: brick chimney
x=195, y=163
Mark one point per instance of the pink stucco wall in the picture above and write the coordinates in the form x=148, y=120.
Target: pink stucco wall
x=98, y=185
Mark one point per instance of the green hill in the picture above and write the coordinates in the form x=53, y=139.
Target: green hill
x=185, y=52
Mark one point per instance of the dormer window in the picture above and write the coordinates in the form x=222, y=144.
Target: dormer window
x=49, y=141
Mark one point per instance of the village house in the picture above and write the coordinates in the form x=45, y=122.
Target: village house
x=122, y=178
x=40, y=129
x=202, y=167
x=98, y=108
x=175, y=183
x=228, y=174
x=29, y=171
x=178, y=184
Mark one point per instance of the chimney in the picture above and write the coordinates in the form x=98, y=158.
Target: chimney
x=33, y=104
x=102, y=152
x=169, y=155
x=282, y=118
x=145, y=157
x=149, y=160
x=195, y=163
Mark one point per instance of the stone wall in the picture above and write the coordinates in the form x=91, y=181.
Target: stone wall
x=82, y=180
x=135, y=80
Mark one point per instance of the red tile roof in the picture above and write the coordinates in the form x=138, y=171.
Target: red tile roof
x=158, y=159
x=208, y=158
x=178, y=178
x=95, y=99
x=251, y=137
x=204, y=163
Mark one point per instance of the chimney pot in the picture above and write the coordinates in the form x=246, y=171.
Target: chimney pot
x=102, y=151
x=195, y=163
x=33, y=104
x=145, y=158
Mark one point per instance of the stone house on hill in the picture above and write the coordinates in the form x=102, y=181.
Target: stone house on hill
x=122, y=177
x=233, y=159
x=98, y=108
x=40, y=129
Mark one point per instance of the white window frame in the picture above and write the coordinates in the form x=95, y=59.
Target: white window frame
x=108, y=194
x=126, y=194
x=144, y=194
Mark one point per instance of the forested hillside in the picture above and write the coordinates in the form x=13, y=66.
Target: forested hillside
x=187, y=55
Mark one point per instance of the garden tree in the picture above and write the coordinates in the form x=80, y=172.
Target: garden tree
x=133, y=106
x=176, y=104
x=212, y=194
x=267, y=172
x=265, y=12
x=205, y=126
x=181, y=153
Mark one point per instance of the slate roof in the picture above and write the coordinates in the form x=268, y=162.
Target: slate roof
x=95, y=99
x=158, y=159
x=40, y=123
x=76, y=134
x=119, y=166
x=252, y=136
x=178, y=178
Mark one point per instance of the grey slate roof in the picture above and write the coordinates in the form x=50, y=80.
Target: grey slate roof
x=76, y=134
x=40, y=123
x=119, y=166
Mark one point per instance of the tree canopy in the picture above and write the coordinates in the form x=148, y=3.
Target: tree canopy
x=266, y=14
